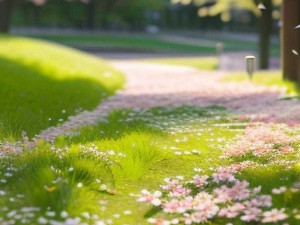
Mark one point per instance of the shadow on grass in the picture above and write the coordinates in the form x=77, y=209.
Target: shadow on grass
x=31, y=100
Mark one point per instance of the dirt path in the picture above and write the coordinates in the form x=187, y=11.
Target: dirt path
x=149, y=85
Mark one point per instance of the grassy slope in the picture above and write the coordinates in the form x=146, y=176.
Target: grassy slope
x=43, y=83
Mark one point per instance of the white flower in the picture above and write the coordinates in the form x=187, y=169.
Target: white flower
x=116, y=216
x=64, y=214
x=111, y=152
x=103, y=187
x=71, y=221
x=156, y=202
x=50, y=214
x=100, y=223
x=151, y=220
x=127, y=212
x=85, y=215
x=42, y=220
x=79, y=185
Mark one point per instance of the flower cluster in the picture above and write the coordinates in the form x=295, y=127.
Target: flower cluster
x=261, y=140
x=205, y=198
x=10, y=148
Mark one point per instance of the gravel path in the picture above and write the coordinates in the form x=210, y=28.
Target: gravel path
x=149, y=85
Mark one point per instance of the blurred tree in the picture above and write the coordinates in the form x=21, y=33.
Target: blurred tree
x=6, y=10
x=107, y=13
x=261, y=8
x=133, y=11
x=291, y=40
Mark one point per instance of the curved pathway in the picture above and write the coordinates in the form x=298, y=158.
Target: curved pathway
x=149, y=85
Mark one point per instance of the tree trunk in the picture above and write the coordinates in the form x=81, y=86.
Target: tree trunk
x=265, y=31
x=291, y=40
x=91, y=15
x=6, y=10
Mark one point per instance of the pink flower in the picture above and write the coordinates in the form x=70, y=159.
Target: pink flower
x=151, y=198
x=200, y=181
x=222, y=194
x=274, y=215
x=240, y=190
x=198, y=217
x=204, y=202
x=251, y=214
x=172, y=207
x=231, y=211
x=176, y=189
x=223, y=176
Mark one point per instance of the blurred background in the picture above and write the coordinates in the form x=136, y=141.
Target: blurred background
x=136, y=15
x=127, y=28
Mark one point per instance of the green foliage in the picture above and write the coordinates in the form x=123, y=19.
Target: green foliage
x=44, y=83
x=125, y=14
x=221, y=6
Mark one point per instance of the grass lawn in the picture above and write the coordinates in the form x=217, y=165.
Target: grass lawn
x=43, y=83
x=201, y=63
x=148, y=42
x=96, y=174
x=268, y=78
x=162, y=166
x=132, y=42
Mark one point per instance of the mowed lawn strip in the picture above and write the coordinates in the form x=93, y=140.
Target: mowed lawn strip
x=129, y=42
x=43, y=83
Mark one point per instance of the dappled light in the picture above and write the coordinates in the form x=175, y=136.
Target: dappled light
x=36, y=87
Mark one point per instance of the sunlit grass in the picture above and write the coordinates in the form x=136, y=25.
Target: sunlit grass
x=43, y=83
x=158, y=143
x=201, y=63
x=133, y=150
x=46, y=183
x=269, y=78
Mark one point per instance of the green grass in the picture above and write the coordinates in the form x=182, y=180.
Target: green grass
x=131, y=42
x=129, y=151
x=201, y=63
x=43, y=83
x=234, y=43
x=154, y=43
x=50, y=181
x=145, y=147
x=268, y=78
